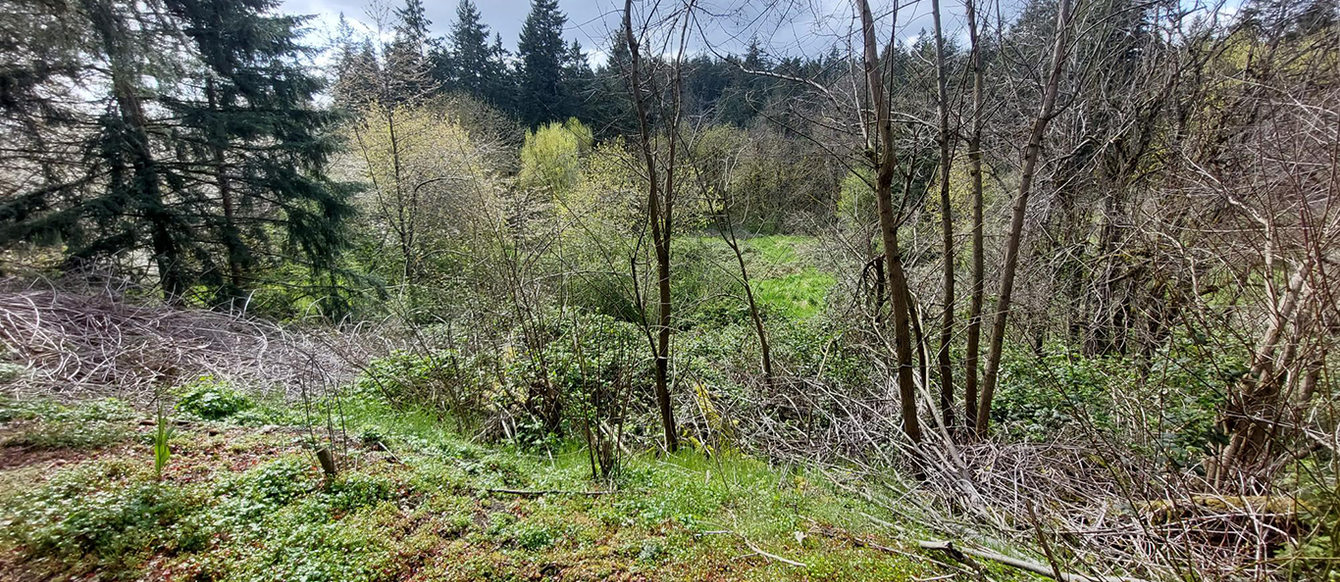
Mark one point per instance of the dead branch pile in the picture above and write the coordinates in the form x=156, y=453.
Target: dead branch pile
x=76, y=345
x=1101, y=506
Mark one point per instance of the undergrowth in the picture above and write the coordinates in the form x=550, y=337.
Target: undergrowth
x=417, y=501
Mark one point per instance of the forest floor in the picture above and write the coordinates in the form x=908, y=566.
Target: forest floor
x=244, y=499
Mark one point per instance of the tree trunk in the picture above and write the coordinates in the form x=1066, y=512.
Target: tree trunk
x=167, y=256
x=946, y=227
x=232, y=239
x=1008, y=270
x=886, y=162
x=1251, y=413
x=659, y=207
x=766, y=351
x=978, y=263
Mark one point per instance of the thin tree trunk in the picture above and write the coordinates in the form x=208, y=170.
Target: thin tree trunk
x=886, y=162
x=659, y=205
x=1030, y=163
x=978, y=270
x=232, y=240
x=1252, y=411
x=728, y=234
x=946, y=227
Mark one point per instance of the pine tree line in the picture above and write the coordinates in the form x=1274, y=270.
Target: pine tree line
x=551, y=79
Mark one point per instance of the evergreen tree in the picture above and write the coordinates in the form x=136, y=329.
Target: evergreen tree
x=472, y=66
x=408, y=70
x=611, y=109
x=542, y=53
x=202, y=150
x=500, y=88
x=259, y=137
x=577, y=85
x=357, y=70
x=743, y=97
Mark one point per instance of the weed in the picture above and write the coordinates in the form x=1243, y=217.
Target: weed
x=211, y=399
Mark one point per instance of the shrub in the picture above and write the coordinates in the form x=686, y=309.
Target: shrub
x=211, y=399
x=404, y=377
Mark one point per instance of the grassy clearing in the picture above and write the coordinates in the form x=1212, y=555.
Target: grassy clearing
x=414, y=503
x=787, y=279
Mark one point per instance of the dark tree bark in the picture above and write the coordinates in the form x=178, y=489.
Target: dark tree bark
x=660, y=210
x=148, y=190
x=886, y=164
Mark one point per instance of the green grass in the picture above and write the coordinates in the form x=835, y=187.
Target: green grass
x=49, y=425
x=414, y=501
x=779, y=250
x=798, y=295
x=787, y=280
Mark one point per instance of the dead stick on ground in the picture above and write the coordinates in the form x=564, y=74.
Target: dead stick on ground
x=543, y=492
x=760, y=552
x=754, y=548
x=1034, y=567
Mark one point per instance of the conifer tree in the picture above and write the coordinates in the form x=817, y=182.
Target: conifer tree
x=473, y=67
x=408, y=71
x=577, y=84
x=356, y=68
x=262, y=141
x=500, y=89
x=201, y=150
x=542, y=53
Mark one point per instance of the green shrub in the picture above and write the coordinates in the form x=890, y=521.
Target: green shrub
x=211, y=399
x=444, y=380
x=1039, y=397
x=10, y=372
x=358, y=490
x=271, y=485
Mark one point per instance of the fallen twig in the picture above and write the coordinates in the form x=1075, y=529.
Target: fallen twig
x=959, y=553
x=543, y=492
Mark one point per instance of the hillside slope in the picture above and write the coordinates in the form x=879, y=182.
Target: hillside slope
x=241, y=500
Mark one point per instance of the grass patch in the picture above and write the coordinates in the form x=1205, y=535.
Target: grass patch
x=778, y=250
x=798, y=295
x=787, y=282
x=43, y=425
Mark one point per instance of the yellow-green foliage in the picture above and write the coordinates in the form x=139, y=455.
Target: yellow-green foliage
x=856, y=202
x=429, y=188
x=608, y=191
x=552, y=156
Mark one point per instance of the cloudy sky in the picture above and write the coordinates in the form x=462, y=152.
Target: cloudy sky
x=782, y=26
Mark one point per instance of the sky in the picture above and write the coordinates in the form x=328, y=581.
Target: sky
x=783, y=27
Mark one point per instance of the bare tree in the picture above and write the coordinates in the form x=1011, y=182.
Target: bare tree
x=943, y=139
x=1009, y=267
x=885, y=158
x=660, y=174
x=978, y=285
